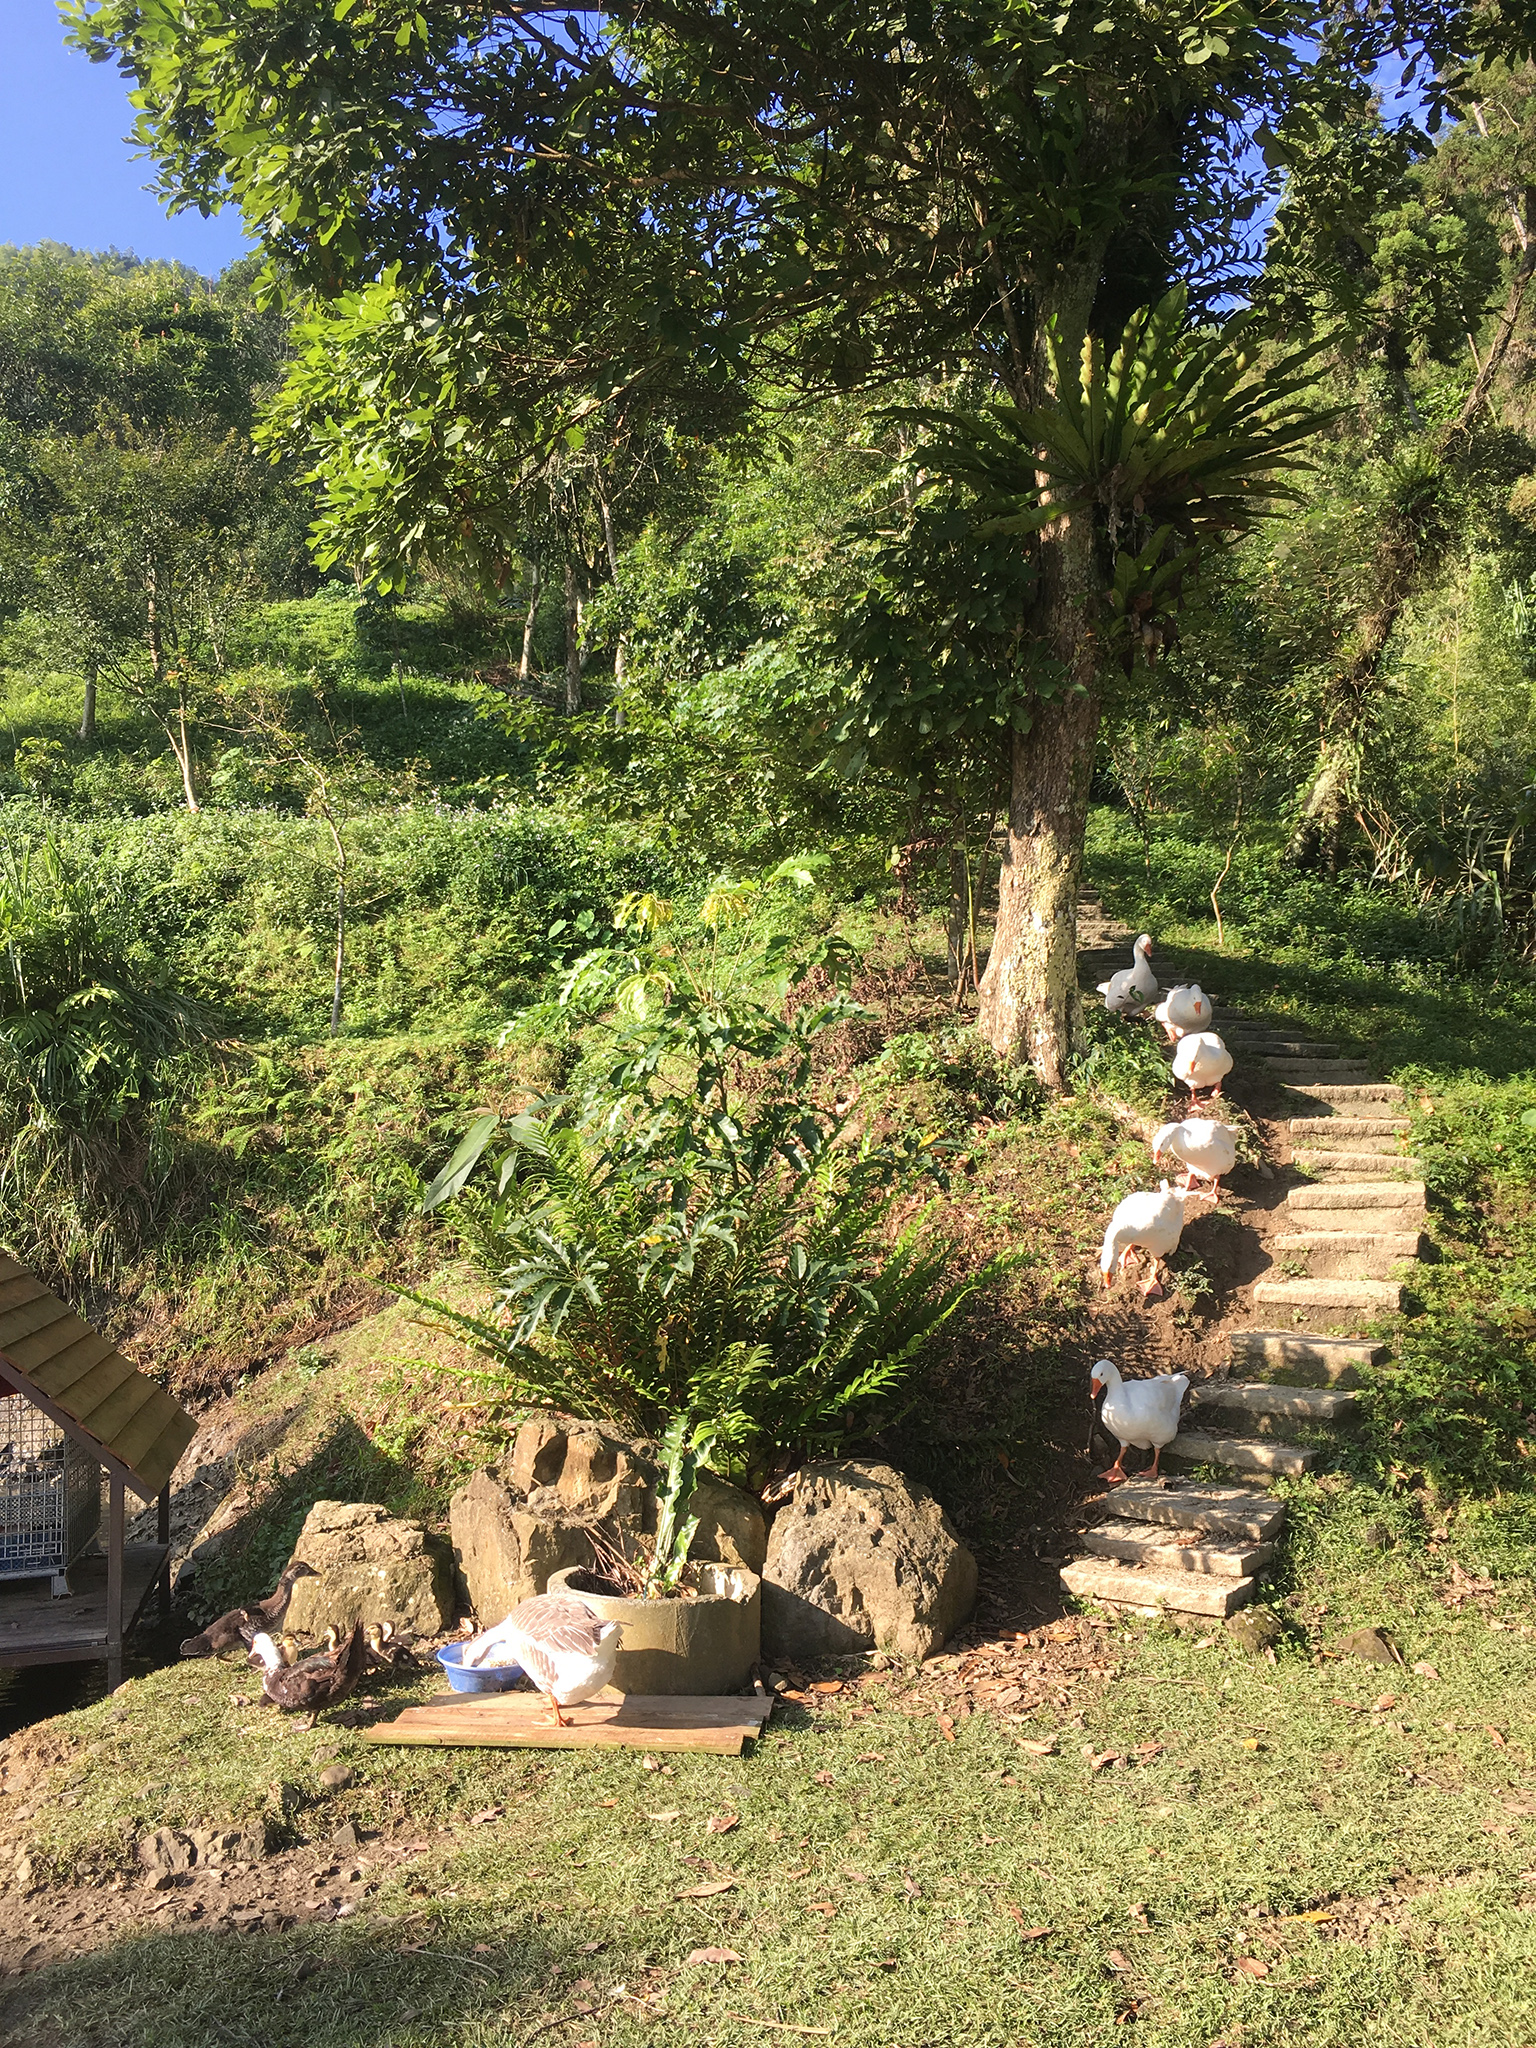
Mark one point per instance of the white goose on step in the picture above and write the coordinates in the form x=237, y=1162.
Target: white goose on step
x=1185, y=1008
x=1151, y=1223
x=1201, y=1146
x=1143, y=1414
x=1134, y=987
x=1202, y=1062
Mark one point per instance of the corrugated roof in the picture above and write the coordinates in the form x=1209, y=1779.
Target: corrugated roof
x=85, y=1383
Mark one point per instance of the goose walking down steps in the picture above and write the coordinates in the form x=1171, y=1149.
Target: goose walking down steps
x=1347, y=1232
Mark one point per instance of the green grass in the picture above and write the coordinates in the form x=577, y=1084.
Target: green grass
x=1277, y=1793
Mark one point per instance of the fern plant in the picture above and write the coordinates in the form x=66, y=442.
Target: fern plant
x=780, y=1311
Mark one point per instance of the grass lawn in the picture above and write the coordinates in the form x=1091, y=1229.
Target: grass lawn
x=1313, y=1843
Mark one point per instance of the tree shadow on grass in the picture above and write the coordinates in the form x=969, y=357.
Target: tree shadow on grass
x=376, y=1983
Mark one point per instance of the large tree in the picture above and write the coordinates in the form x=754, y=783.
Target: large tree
x=562, y=214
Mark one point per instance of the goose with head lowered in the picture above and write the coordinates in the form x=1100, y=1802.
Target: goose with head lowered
x=1134, y=987
x=1139, y=1414
x=1150, y=1223
x=1202, y=1062
x=1201, y=1146
x=1185, y=1008
x=566, y=1649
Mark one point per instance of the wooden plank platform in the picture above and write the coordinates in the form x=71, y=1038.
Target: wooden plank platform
x=37, y=1629
x=520, y=1720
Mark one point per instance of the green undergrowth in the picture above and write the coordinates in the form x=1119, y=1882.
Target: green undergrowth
x=887, y=1884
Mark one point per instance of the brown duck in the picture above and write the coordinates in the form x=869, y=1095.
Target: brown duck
x=267, y=1615
x=316, y=1682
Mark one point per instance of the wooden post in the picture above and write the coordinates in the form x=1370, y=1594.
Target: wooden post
x=115, y=1583
x=163, y=1535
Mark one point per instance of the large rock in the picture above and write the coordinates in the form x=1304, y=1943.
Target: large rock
x=371, y=1566
x=563, y=1486
x=861, y=1558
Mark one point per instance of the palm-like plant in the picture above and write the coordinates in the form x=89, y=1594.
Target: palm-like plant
x=1177, y=440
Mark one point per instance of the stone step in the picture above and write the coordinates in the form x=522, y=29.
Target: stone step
x=1293, y=1358
x=1394, y=1201
x=1212, y=1509
x=1370, y=1166
x=1265, y=1401
x=1346, y=1094
x=1296, y=1073
x=1218, y=1557
x=1260, y=1455
x=1331, y=1297
x=1332, y=1130
x=1348, y=1254
x=1287, y=1049
x=1122, y=1585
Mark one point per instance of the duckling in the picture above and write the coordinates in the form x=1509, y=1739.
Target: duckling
x=385, y=1651
x=227, y=1633
x=316, y=1683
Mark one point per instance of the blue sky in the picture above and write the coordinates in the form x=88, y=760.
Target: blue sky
x=66, y=174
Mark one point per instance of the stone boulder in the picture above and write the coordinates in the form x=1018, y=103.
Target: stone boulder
x=563, y=1484
x=370, y=1566
x=861, y=1558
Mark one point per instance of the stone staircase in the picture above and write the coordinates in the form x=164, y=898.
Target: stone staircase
x=1348, y=1231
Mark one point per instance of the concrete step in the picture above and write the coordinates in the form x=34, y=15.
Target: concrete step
x=1259, y=1455
x=1211, y=1509
x=1293, y=1358
x=1122, y=1585
x=1347, y=1095
x=1215, y=1557
x=1333, y=1129
x=1331, y=1298
x=1359, y=1165
x=1348, y=1254
x=1398, y=1204
x=1288, y=1049
x=1265, y=1403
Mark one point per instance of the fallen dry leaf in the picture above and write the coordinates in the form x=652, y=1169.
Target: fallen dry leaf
x=823, y=1906
x=823, y=1778
x=1106, y=1757
x=1315, y=1918
x=1118, y=1961
x=1496, y=1737
x=488, y=1813
x=870, y=1756
x=714, y=1955
x=722, y=1823
x=1425, y=1670
x=1039, y=1748
x=912, y=1888
x=1385, y=1704
x=707, y=1891
x=1149, y=1750
x=1252, y=1967
x=827, y=1685
x=1008, y=1695
x=667, y=1813
x=607, y=1802
x=946, y=1727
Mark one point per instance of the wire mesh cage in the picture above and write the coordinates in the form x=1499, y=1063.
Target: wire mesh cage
x=50, y=1495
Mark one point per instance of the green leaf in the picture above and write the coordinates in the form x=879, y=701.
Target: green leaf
x=463, y=1163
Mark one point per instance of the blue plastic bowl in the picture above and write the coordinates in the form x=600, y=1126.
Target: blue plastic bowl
x=479, y=1677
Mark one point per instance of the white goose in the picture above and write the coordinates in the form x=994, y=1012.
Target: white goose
x=1201, y=1145
x=1139, y=1413
x=1134, y=986
x=1151, y=1223
x=566, y=1649
x=1202, y=1061
x=1185, y=1008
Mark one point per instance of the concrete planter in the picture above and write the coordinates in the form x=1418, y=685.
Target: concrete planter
x=704, y=1645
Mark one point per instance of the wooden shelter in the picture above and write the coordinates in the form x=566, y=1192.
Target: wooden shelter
x=127, y=1425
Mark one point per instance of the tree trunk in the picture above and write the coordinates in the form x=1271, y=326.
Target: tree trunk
x=530, y=620
x=183, y=752
x=88, y=712
x=1029, y=1002
x=341, y=952
x=572, y=641
x=619, y=650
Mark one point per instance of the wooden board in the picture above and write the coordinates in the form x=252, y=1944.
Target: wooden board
x=520, y=1720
